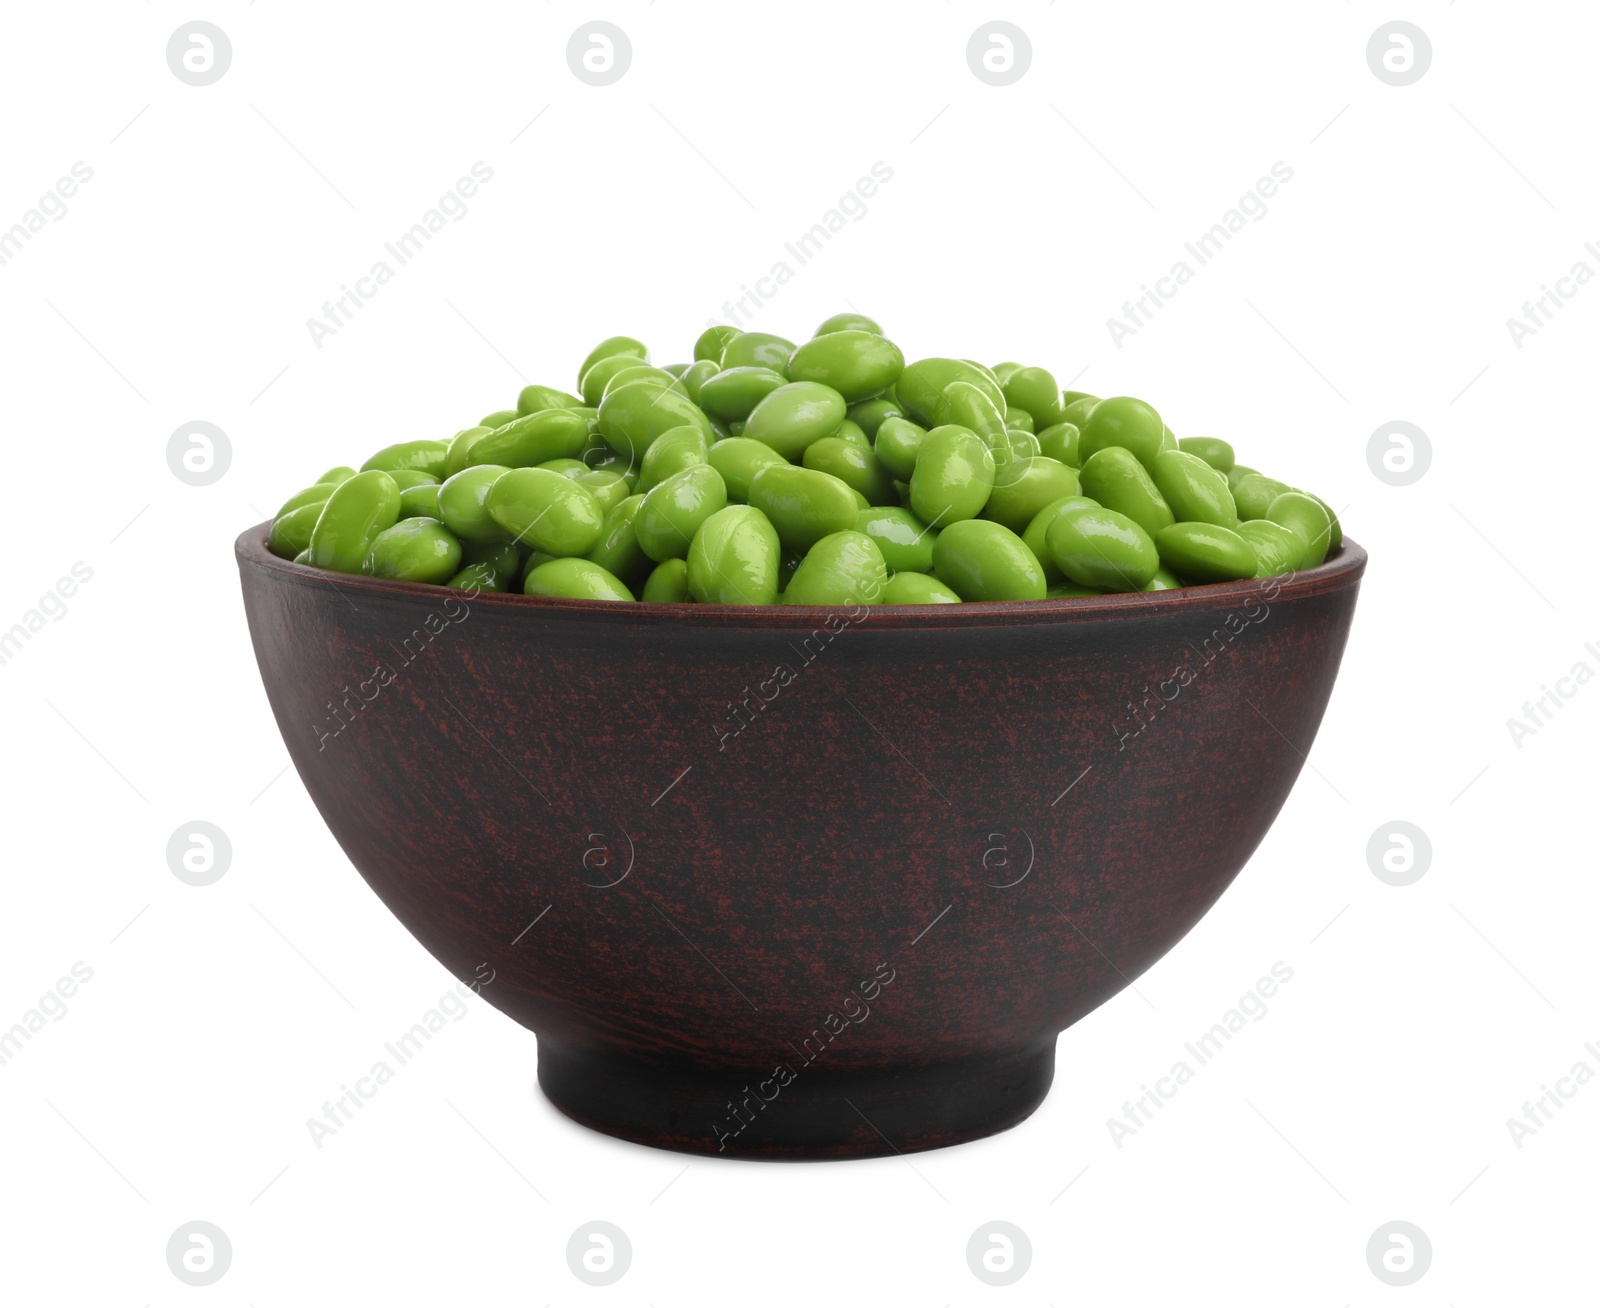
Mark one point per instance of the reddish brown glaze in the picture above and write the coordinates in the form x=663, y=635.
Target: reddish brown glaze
x=851, y=925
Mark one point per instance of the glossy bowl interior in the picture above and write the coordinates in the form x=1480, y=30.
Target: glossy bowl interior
x=797, y=883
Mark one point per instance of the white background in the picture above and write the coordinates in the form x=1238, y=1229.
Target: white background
x=1377, y=288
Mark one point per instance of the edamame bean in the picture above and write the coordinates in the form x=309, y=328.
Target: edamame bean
x=895, y=443
x=761, y=349
x=1277, y=549
x=531, y=399
x=696, y=375
x=738, y=459
x=668, y=583
x=612, y=347
x=1335, y=531
x=1060, y=442
x=1115, y=477
x=1024, y=486
x=1018, y=419
x=922, y=385
x=1103, y=549
x=1203, y=551
x=461, y=503
x=1253, y=495
x=406, y=478
x=1122, y=423
x=1071, y=590
x=734, y=558
x=733, y=394
x=632, y=416
x=711, y=342
x=351, y=519
x=478, y=576
x=673, y=511
x=498, y=418
x=1036, y=537
x=314, y=494
x=414, y=549
x=545, y=511
x=572, y=469
x=854, y=464
x=844, y=568
x=802, y=504
x=953, y=477
x=918, y=588
x=425, y=456
x=460, y=447
x=1077, y=409
x=535, y=439
x=965, y=405
x=1218, y=453
x=420, y=501
x=1193, y=489
x=1308, y=520
x=1036, y=391
x=501, y=557
x=574, y=579
x=848, y=322
x=904, y=541
x=618, y=550
x=982, y=560
x=598, y=377
x=869, y=415
x=1164, y=580
x=858, y=364
x=291, y=531
x=608, y=488
x=794, y=415
x=642, y=372
x=672, y=451
x=335, y=475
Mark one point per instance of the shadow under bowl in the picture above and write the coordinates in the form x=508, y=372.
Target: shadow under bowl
x=797, y=882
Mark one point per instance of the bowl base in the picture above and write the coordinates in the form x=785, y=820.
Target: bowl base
x=799, y=1111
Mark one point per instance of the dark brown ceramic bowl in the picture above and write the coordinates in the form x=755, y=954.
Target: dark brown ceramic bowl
x=797, y=883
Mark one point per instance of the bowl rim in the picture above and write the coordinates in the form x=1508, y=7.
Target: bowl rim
x=1342, y=570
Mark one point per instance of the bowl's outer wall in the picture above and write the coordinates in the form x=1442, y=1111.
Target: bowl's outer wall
x=866, y=822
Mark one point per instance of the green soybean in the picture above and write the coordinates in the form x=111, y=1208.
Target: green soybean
x=545, y=511
x=761, y=349
x=1308, y=520
x=314, y=494
x=632, y=416
x=869, y=415
x=854, y=464
x=420, y=501
x=502, y=557
x=844, y=568
x=1277, y=549
x=351, y=519
x=917, y=588
x=671, y=452
x=673, y=511
x=425, y=456
x=612, y=347
x=574, y=579
x=696, y=375
x=334, y=476
x=1203, y=551
x=1164, y=579
x=1253, y=495
x=414, y=549
x=617, y=550
x=848, y=322
x=858, y=364
x=896, y=443
x=1036, y=536
x=478, y=576
x=1217, y=453
x=738, y=459
x=291, y=531
x=802, y=504
x=982, y=560
x=1059, y=441
x=794, y=415
x=1024, y=486
x=1122, y=423
x=1115, y=477
x=460, y=448
x=922, y=385
x=1036, y=391
x=953, y=477
x=668, y=583
x=532, y=440
x=461, y=503
x=1193, y=489
x=1099, y=547
x=710, y=343
x=901, y=537
x=734, y=558
x=498, y=418
x=733, y=393
x=531, y=399
x=609, y=488
x=599, y=375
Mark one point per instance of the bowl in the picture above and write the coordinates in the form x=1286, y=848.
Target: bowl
x=796, y=882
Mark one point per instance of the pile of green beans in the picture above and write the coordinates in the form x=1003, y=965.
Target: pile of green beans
x=825, y=473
